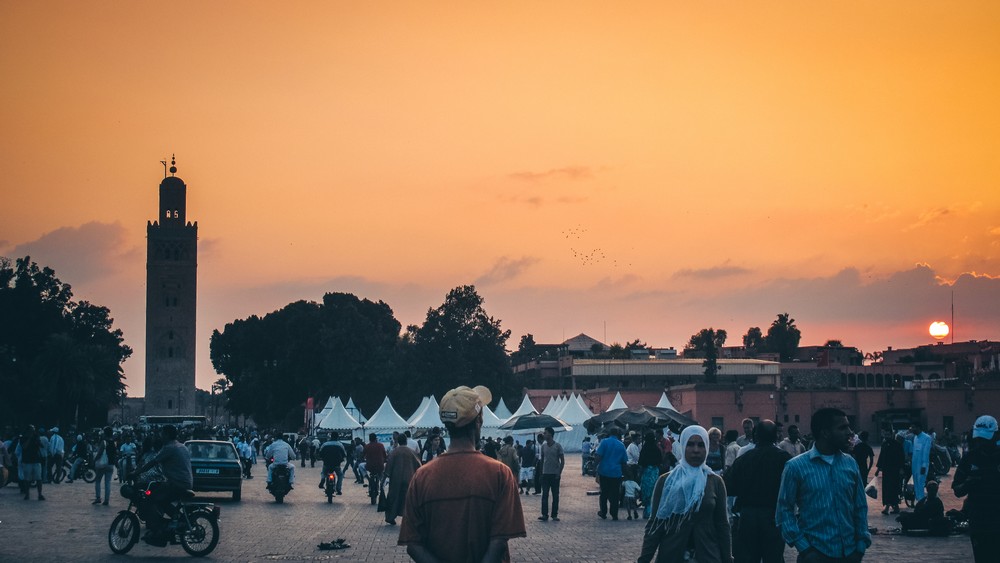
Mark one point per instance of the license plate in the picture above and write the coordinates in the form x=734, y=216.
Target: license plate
x=207, y=471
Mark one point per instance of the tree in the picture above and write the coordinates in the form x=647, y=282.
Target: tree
x=525, y=350
x=460, y=344
x=783, y=337
x=706, y=343
x=60, y=361
x=344, y=346
x=753, y=341
x=833, y=344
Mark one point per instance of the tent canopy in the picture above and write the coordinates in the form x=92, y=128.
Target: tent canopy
x=338, y=419
x=665, y=402
x=429, y=417
x=386, y=418
x=617, y=403
x=355, y=411
x=525, y=408
x=502, y=412
x=419, y=411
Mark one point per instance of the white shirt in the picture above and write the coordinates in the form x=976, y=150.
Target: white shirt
x=57, y=446
x=632, y=452
x=745, y=449
x=413, y=445
x=280, y=450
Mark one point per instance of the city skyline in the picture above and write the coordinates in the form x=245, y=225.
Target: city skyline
x=640, y=173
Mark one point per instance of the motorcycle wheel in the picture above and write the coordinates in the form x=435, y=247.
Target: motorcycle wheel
x=59, y=474
x=124, y=532
x=88, y=475
x=203, y=535
x=329, y=498
x=280, y=499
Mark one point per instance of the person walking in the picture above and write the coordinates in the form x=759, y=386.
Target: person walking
x=553, y=461
x=29, y=454
x=863, y=455
x=754, y=479
x=891, y=461
x=527, y=477
x=611, y=460
x=57, y=452
x=689, y=506
x=650, y=461
x=104, y=466
x=400, y=466
x=464, y=506
x=920, y=461
x=978, y=478
x=822, y=508
x=508, y=456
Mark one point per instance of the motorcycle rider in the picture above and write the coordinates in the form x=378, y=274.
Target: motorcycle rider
x=333, y=454
x=282, y=454
x=175, y=462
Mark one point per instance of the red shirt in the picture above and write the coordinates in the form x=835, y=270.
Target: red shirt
x=374, y=453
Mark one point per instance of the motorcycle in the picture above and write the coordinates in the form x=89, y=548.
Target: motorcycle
x=374, y=486
x=125, y=466
x=330, y=486
x=280, y=484
x=194, y=525
x=85, y=472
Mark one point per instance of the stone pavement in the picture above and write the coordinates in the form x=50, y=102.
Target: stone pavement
x=66, y=527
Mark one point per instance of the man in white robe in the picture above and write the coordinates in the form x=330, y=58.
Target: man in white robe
x=921, y=461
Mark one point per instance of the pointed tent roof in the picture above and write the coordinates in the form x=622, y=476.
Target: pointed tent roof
x=665, y=402
x=502, y=412
x=575, y=413
x=430, y=416
x=618, y=403
x=525, y=408
x=326, y=409
x=560, y=406
x=338, y=419
x=582, y=343
x=490, y=420
x=549, y=406
x=586, y=407
x=419, y=411
x=386, y=418
x=353, y=409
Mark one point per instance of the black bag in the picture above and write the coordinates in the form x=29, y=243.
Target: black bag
x=112, y=451
x=383, y=502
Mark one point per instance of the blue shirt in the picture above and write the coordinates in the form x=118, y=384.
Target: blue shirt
x=832, y=508
x=612, y=454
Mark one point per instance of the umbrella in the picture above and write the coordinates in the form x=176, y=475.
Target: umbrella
x=652, y=417
x=533, y=422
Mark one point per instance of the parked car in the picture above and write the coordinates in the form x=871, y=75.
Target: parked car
x=215, y=465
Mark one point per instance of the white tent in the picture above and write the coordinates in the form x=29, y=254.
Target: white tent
x=386, y=420
x=326, y=410
x=355, y=411
x=525, y=408
x=339, y=419
x=574, y=413
x=618, y=403
x=502, y=412
x=665, y=402
x=418, y=412
x=549, y=406
x=491, y=424
x=429, y=417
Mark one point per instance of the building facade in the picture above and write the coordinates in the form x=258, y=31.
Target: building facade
x=171, y=303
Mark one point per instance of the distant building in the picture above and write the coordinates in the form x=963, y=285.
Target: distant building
x=171, y=303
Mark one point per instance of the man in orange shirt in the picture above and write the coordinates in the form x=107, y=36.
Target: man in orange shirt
x=463, y=505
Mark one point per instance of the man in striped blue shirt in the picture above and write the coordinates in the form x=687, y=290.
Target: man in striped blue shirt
x=831, y=525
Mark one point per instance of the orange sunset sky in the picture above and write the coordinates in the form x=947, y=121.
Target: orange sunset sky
x=639, y=170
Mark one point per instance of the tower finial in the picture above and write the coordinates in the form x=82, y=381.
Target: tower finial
x=173, y=163
x=164, y=163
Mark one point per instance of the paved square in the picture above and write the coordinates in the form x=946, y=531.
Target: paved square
x=66, y=527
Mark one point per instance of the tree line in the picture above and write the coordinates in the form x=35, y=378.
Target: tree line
x=60, y=360
x=782, y=338
x=346, y=346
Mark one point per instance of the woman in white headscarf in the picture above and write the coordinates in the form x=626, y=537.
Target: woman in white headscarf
x=689, y=504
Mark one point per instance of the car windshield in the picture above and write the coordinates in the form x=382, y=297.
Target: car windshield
x=212, y=451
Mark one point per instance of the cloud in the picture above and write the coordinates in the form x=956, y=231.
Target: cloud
x=506, y=269
x=713, y=273
x=82, y=254
x=568, y=172
x=995, y=231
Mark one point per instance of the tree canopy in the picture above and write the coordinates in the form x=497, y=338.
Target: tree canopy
x=346, y=346
x=60, y=360
x=783, y=337
x=706, y=343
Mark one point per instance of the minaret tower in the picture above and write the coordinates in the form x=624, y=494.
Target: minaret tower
x=171, y=299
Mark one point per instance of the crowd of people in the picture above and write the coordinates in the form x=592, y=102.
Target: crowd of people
x=717, y=497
